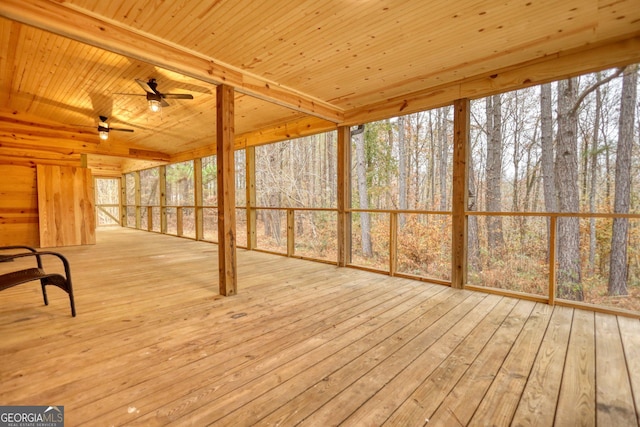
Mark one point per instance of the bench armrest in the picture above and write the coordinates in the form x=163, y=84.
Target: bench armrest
x=38, y=256
x=7, y=258
x=29, y=248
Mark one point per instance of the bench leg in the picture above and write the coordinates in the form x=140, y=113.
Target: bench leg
x=43, y=282
x=73, y=304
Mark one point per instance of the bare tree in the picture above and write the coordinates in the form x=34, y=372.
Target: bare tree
x=620, y=235
x=566, y=169
x=593, y=168
x=495, y=237
x=546, y=141
x=443, y=140
x=402, y=169
x=473, y=252
x=361, y=175
x=566, y=175
x=432, y=161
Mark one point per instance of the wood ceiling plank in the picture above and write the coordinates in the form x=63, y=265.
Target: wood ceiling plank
x=39, y=83
x=8, y=72
x=394, y=39
x=367, y=58
x=187, y=20
x=410, y=34
x=24, y=131
x=28, y=37
x=361, y=96
x=53, y=88
x=56, y=18
x=528, y=74
x=141, y=14
x=5, y=60
x=73, y=58
x=292, y=45
x=614, y=16
x=213, y=36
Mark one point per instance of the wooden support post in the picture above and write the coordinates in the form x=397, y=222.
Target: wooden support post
x=226, y=190
x=123, y=201
x=393, y=243
x=344, y=195
x=96, y=207
x=250, y=158
x=162, y=174
x=460, y=194
x=149, y=218
x=291, y=232
x=179, y=227
x=197, y=195
x=138, y=198
x=552, y=259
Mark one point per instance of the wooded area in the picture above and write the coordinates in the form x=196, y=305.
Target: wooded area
x=569, y=147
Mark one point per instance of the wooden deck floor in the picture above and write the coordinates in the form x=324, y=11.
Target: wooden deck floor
x=303, y=343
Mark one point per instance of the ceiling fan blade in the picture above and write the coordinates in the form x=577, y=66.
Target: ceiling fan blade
x=121, y=130
x=177, y=95
x=164, y=103
x=144, y=85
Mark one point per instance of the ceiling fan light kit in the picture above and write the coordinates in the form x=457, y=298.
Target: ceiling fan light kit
x=103, y=128
x=155, y=98
x=154, y=104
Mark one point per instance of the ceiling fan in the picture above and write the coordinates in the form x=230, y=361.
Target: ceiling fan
x=104, y=128
x=155, y=98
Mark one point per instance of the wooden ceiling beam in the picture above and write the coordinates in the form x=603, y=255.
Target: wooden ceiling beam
x=62, y=147
x=65, y=20
x=305, y=126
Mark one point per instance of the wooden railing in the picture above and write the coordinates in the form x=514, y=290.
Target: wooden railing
x=551, y=297
x=289, y=249
x=394, y=215
x=102, y=208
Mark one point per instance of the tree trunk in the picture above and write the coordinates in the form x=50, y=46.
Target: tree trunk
x=330, y=181
x=593, y=156
x=361, y=174
x=432, y=162
x=495, y=237
x=444, y=151
x=619, y=239
x=546, y=142
x=415, y=151
x=402, y=170
x=473, y=242
x=566, y=170
x=516, y=155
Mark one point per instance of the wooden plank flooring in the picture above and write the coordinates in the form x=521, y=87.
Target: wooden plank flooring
x=303, y=343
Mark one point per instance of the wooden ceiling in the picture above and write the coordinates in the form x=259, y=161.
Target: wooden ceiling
x=298, y=66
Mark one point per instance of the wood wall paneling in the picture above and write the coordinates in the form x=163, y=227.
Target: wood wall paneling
x=65, y=206
x=18, y=206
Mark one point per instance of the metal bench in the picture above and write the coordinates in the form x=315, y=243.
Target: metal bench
x=19, y=276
